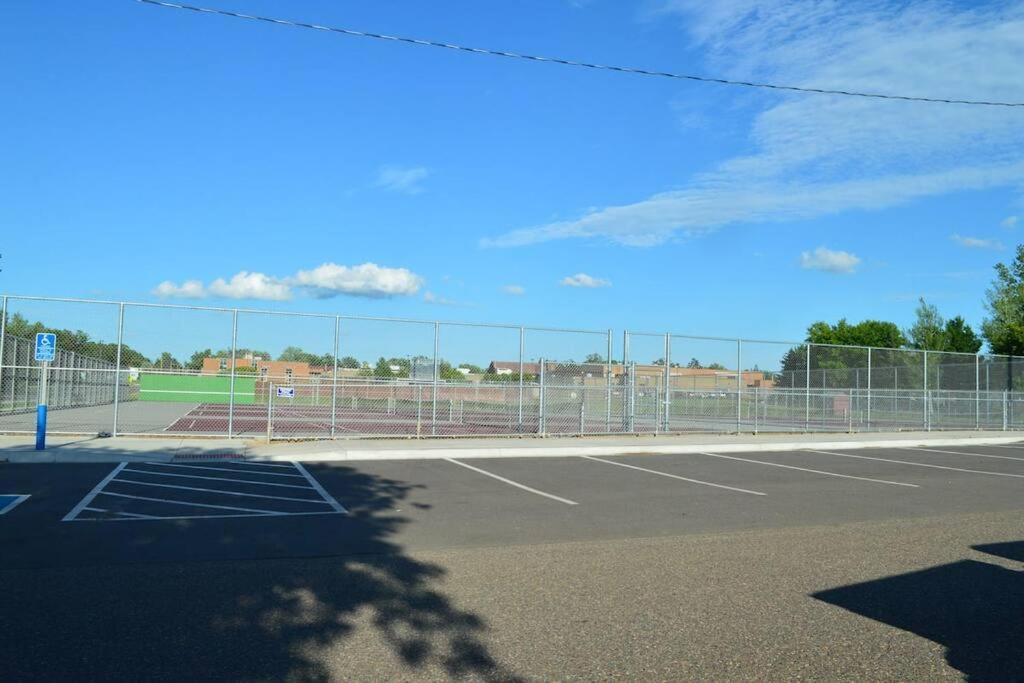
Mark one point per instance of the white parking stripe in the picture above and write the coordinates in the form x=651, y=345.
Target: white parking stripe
x=218, y=491
x=328, y=498
x=674, y=476
x=916, y=464
x=257, y=464
x=1003, y=445
x=221, y=469
x=268, y=513
x=92, y=494
x=977, y=455
x=807, y=469
x=513, y=483
x=240, y=481
x=145, y=518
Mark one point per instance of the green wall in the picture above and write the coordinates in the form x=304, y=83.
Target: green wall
x=195, y=388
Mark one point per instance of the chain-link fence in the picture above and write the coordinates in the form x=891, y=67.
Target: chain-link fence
x=155, y=369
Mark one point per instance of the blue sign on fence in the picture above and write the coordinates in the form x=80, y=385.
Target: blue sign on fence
x=46, y=347
x=286, y=392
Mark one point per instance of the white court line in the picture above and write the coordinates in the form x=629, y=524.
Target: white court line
x=141, y=518
x=92, y=494
x=806, y=469
x=512, y=483
x=268, y=513
x=18, y=499
x=240, y=481
x=221, y=469
x=675, y=476
x=118, y=512
x=328, y=498
x=916, y=464
x=977, y=455
x=217, y=491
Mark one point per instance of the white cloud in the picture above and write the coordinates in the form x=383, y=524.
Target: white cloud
x=367, y=279
x=830, y=261
x=584, y=280
x=324, y=281
x=189, y=289
x=514, y=290
x=976, y=242
x=818, y=155
x=1010, y=222
x=246, y=285
x=405, y=179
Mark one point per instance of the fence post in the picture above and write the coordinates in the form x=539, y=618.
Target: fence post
x=1005, y=404
x=117, y=364
x=755, y=408
x=632, y=398
x=231, y=383
x=739, y=385
x=668, y=382
x=608, y=386
x=433, y=398
x=627, y=376
x=270, y=413
x=807, y=391
x=522, y=347
x=927, y=425
x=977, y=392
x=540, y=401
x=3, y=337
x=868, y=423
x=849, y=413
x=334, y=377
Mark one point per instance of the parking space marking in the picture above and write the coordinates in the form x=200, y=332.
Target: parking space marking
x=807, y=469
x=319, y=489
x=258, y=464
x=512, y=483
x=269, y=513
x=15, y=500
x=197, y=476
x=120, y=476
x=92, y=494
x=977, y=455
x=916, y=464
x=218, y=491
x=221, y=469
x=674, y=476
x=1003, y=445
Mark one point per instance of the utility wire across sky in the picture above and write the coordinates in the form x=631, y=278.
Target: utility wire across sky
x=569, y=62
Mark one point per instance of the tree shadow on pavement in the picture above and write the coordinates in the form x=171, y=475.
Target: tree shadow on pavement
x=293, y=598
x=972, y=608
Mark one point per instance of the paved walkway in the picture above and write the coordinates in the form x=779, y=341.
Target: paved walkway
x=21, y=448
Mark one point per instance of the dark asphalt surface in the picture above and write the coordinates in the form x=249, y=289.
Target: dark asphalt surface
x=728, y=568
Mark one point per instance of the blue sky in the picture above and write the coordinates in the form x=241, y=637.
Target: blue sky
x=160, y=155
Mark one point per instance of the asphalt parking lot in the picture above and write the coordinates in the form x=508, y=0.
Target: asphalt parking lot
x=906, y=562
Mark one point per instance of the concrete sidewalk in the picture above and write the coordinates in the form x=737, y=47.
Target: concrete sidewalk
x=21, y=449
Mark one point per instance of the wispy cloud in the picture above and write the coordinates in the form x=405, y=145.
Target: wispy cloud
x=405, y=179
x=822, y=258
x=585, y=281
x=816, y=155
x=1010, y=222
x=976, y=242
x=324, y=281
x=514, y=290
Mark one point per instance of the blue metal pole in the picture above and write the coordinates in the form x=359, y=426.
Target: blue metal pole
x=41, y=412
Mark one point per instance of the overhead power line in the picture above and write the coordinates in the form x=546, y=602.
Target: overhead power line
x=570, y=62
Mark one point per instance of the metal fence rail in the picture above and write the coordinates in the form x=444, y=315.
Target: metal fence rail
x=360, y=377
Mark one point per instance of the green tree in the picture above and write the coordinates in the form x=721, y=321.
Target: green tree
x=694, y=364
x=348, y=362
x=960, y=337
x=167, y=362
x=383, y=369
x=1004, y=328
x=594, y=358
x=195, y=362
x=928, y=331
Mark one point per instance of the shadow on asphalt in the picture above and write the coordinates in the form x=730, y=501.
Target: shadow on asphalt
x=236, y=599
x=972, y=608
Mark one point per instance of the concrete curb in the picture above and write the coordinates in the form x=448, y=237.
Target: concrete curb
x=355, y=454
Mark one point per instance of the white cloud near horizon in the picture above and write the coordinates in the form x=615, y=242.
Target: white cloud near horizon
x=325, y=281
x=812, y=155
x=585, y=281
x=1010, y=222
x=514, y=290
x=405, y=179
x=829, y=261
x=976, y=242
